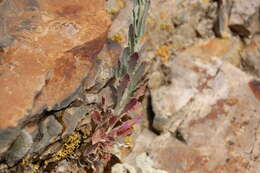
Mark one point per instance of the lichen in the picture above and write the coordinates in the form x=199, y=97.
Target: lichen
x=28, y=163
x=120, y=3
x=112, y=11
x=165, y=26
x=119, y=38
x=68, y=148
x=164, y=52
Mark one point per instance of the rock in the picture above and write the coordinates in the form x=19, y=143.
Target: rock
x=188, y=75
x=244, y=17
x=48, y=49
x=19, y=148
x=144, y=165
x=179, y=24
x=71, y=117
x=7, y=138
x=123, y=168
x=49, y=130
x=251, y=56
x=67, y=166
x=218, y=120
x=221, y=25
x=102, y=72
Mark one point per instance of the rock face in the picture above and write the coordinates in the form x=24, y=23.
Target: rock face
x=47, y=50
x=205, y=104
x=251, y=56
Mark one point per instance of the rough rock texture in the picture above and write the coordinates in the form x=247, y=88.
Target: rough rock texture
x=48, y=59
x=251, y=56
x=203, y=105
x=244, y=16
x=219, y=121
x=47, y=49
x=204, y=108
x=54, y=136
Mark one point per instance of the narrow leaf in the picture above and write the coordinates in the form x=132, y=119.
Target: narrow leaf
x=122, y=86
x=133, y=62
x=138, y=75
x=132, y=103
x=128, y=124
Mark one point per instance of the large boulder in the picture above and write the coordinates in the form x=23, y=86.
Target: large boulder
x=47, y=49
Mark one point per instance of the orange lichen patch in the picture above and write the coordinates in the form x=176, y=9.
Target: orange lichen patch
x=163, y=52
x=255, y=87
x=217, y=48
x=144, y=38
x=163, y=15
x=119, y=38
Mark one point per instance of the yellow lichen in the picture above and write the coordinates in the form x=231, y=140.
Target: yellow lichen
x=165, y=26
x=35, y=167
x=120, y=3
x=112, y=11
x=26, y=162
x=164, y=52
x=150, y=21
x=128, y=141
x=234, y=60
x=68, y=148
x=119, y=38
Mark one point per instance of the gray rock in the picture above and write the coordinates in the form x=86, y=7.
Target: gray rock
x=217, y=124
x=49, y=130
x=19, y=149
x=71, y=118
x=7, y=137
x=244, y=17
x=67, y=167
x=251, y=56
x=221, y=25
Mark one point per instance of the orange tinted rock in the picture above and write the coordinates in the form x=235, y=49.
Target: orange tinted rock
x=48, y=49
